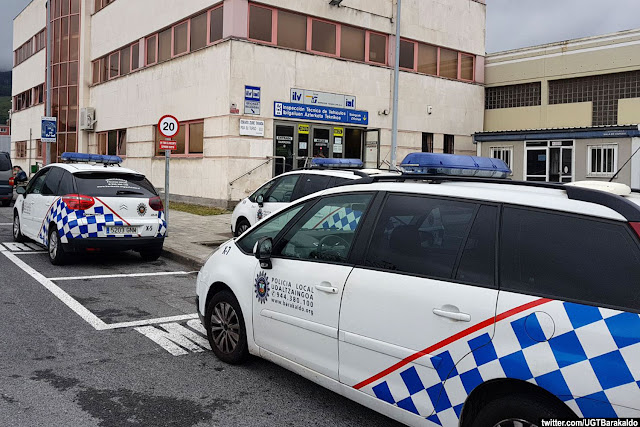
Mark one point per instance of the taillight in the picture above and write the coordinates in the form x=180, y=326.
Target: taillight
x=636, y=227
x=78, y=201
x=155, y=203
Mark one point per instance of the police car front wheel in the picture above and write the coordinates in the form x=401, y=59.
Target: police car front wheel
x=55, y=249
x=225, y=328
x=17, y=233
x=242, y=226
x=522, y=410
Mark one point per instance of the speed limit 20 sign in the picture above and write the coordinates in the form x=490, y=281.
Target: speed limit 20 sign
x=168, y=126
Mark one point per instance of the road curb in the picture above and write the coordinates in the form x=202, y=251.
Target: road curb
x=181, y=257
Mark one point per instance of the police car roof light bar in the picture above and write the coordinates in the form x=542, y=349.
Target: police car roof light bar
x=90, y=158
x=454, y=165
x=337, y=163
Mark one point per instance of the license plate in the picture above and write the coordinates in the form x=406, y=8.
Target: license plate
x=122, y=230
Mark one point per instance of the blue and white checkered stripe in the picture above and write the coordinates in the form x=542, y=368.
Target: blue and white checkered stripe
x=344, y=219
x=590, y=359
x=162, y=228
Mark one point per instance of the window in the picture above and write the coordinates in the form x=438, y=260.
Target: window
x=326, y=232
x=570, y=258
x=449, y=144
x=125, y=61
x=181, y=38
x=114, y=65
x=407, y=54
x=113, y=142
x=428, y=59
x=427, y=142
x=477, y=265
x=448, y=63
x=377, y=48
x=262, y=191
x=283, y=190
x=152, y=43
x=260, y=23
x=199, y=32
x=602, y=159
x=135, y=56
x=466, y=67
x=352, y=42
x=310, y=184
x=50, y=187
x=292, y=30
x=36, y=183
x=503, y=153
x=270, y=228
x=67, y=185
x=190, y=139
x=40, y=148
x=217, y=19
x=164, y=45
x=420, y=235
x=323, y=37
x=21, y=149
x=107, y=184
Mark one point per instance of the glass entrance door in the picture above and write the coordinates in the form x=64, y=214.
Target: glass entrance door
x=284, y=149
x=561, y=160
x=321, y=140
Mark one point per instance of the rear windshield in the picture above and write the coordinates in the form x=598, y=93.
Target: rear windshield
x=114, y=185
x=5, y=163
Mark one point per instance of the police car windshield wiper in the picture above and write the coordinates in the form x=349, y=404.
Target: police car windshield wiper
x=128, y=192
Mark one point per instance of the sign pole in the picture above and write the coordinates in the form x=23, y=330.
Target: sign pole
x=49, y=154
x=167, y=157
x=168, y=126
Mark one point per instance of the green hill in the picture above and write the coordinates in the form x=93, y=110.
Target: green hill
x=5, y=83
x=5, y=106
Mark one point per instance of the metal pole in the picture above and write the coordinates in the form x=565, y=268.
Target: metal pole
x=396, y=73
x=48, y=100
x=167, y=155
x=29, y=149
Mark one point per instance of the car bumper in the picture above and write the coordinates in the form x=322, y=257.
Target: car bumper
x=114, y=243
x=200, y=315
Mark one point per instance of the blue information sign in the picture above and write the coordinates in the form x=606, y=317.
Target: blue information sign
x=252, y=100
x=49, y=129
x=287, y=110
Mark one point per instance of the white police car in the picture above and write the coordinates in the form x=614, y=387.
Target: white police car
x=89, y=204
x=443, y=300
x=291, y=186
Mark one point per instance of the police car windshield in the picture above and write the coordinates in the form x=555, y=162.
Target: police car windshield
x=102, y=184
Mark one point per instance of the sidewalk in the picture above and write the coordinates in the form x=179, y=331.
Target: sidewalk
x=192, y=238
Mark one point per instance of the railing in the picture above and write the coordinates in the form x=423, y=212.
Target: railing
x=269, y=159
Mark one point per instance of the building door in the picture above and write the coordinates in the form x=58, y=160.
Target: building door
x=353, y=144
x=536, y=161
x=302, y=157
x=321, y=142
x=284, y=148
x=560, y=162
x=372, y=148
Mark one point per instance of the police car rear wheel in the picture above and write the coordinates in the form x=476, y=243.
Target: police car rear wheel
x=520, y=410
x=56, y=252
x=151, y=254
x=17, y=234
x=225, y=328
x=243, y=225
x=6, y=203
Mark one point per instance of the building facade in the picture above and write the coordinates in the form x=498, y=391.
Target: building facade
x=566, y=111
x=258, y=87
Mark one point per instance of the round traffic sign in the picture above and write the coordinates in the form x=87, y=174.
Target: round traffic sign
x=168, y=126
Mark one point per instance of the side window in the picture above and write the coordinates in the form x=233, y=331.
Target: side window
x=66, y=185
x=52, y=182
x=310, y=184
x=569, y=258
x=37, y=182
x=327, y=230
x=270, y=228
x=338, y=181
x=420, y=235
x=477, y=265
x=262, y=190
x=283, y=190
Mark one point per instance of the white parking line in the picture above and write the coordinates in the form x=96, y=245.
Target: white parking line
x=6, y=223
x=113, y=276
x=151, y=321
x=30, y=253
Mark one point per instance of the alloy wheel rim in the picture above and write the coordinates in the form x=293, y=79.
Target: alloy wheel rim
x=243, y=228
x=16, y=227
x=53, y=245
x=225, y=327
x=515, y=422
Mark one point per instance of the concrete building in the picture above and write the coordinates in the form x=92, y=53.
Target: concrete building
x=5, y=139
x=250, y=81
x=566, y=111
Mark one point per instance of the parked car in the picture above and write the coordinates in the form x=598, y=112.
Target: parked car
x=443, y=300
x=6, y=172
x=89, y=204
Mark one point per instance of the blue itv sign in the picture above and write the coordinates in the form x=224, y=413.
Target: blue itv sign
x=287, y=110
x=49, y=129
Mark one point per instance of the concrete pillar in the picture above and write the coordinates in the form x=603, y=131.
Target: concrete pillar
x=236, y=17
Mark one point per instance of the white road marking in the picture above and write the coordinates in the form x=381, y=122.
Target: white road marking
x=74, y=305
x=113, y=276
x=150, y=321
x=175, y=338
x=17, y=247
x=6, y=223
x=30, y=253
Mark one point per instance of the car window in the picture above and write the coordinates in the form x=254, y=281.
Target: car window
x=336, y=181
x=103, y=184
x=270, y=228
x=477, y=265
x=37, y=182
x=5, y=163
x=283, y=190
x=52, y=182
x=262, y=190
x=310, y=184
x=569, y=258
x=66, y=185
x=420, y=235
x=327, y=230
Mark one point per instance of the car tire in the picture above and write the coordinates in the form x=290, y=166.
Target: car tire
x=226, y=329
x=6, y=203
x=520, y=410
x=151, y=254
x=54, y=248
x=242, y=226
x=17, y=232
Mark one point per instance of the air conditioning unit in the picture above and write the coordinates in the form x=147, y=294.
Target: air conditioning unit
x=87, y=118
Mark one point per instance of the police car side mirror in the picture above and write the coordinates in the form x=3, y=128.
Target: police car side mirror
x=21, y=190
x=262, y=252
x=260, y=200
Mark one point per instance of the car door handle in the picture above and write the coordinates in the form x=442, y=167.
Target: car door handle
x=327, y=288
x=460, y=317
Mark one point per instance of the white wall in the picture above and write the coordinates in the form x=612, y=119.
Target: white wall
x=29, y=23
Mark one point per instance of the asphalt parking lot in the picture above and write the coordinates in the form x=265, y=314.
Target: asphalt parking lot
x=111, y=341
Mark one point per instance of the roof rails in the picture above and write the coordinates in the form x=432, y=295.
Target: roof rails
x=629, y=210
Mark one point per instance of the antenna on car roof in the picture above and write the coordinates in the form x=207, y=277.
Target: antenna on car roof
x=625, y=164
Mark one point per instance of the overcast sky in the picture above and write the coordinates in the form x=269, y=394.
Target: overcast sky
x=510, y=23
